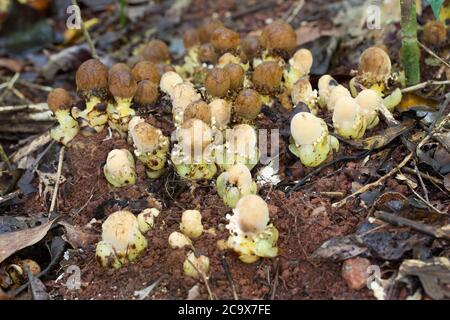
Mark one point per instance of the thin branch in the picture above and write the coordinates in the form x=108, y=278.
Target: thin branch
x=424, y=47
x=424, y=85
x=5, y=158
x=372, y=185
x=439, y=233
x=58, y=176
x=87, y=36
x=226, y=269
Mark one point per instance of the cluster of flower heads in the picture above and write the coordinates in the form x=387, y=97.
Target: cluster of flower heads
x=220, y=88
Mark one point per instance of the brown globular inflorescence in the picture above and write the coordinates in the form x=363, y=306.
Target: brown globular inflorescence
x=146, y=70
x=267, y=77
x=217, y=82
x=147, y=93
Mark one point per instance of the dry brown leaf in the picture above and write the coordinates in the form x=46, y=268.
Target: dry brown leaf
x=411, y=101
x=11, y=64
x=12, y=242
x=434, y=275
x=76, y=236
x=382, y=139
x=312, y=31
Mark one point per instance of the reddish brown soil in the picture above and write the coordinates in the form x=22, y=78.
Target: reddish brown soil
x=305, y=220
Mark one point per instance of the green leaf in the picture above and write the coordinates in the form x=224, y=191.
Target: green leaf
x=436, y=6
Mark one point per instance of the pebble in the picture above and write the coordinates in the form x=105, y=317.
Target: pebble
x=354, y=272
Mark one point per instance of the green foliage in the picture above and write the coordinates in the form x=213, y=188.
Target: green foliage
x=436, y=6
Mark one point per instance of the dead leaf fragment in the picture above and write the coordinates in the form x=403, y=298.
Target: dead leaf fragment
x=76, y=236
x=382, y=139
x=433, y=274
x=12, y=242
x=11, y=64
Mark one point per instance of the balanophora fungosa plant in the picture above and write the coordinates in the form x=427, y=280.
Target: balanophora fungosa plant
x=122, y=240
x=60, y=102
x=235, y=183
x=251, y=235
x=150, y=146
x=310, y=140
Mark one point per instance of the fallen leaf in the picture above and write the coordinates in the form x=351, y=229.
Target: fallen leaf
x=36, y=288
x=312, y=31
x=11, y=64
x=339, y=249
x=434, y=275
x=447, y=181
x=76, y=236
x=382, y=139
x=12, y=242
x=414, y=102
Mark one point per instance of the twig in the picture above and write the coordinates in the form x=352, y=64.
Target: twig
x=442, y=68
x=252, y=9
x=205, y=279
x=58, y=176
x=426, y=201
x=87, y=36
x=31, y=146
x=226, y=269
x=37, y=107
x=298, y=6
x=142, y=294
x=369, y=186
x=424, y=175
x=5, y=158
x=433, y=54
x=9, y=196
x=439, y=233
x=9, y=85
x=275, y=280
x=425, y=190
x=424, y=85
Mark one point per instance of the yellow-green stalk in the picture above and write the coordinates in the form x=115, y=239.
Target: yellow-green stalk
x=348, y=119
x=122, y=241
x=310, y=140
x=150, y=146
x=92, y=86
x=120, y=169
x=60, y=102
x=235, y=183
x=251, y=236
x=193, y=154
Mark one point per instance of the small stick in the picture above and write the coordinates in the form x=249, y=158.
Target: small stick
x=424, y=200
x=369, y=186
x=87, y=36
x=9, y=196
x=433, y=54
x=9, y=85
x=332, y=193
x=425, y=190
x=205, y=279
x=58, y=176
x=393, y=219
x=5, y=158
x=424, y=85
x=275, y=281
x=295, y=11
x=442, y=68
x=226, y=269
x=424, y=175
